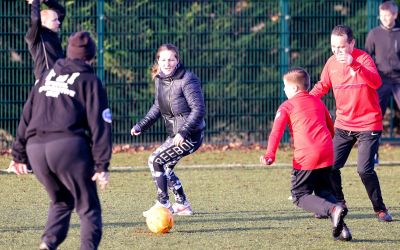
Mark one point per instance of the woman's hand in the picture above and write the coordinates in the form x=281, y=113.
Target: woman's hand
x=135, y=130
x=178, y=140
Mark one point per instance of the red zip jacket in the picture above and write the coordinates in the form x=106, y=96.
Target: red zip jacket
x=354, y=88
x=311, y=127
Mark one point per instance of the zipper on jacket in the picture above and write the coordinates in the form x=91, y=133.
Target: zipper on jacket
x=170, y=106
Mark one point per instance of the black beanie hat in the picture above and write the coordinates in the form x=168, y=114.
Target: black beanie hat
x=81, y=46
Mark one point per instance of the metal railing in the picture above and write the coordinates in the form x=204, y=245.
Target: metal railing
x=239, y=49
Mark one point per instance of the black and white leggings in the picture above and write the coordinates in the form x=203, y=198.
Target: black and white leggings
x=162, y=162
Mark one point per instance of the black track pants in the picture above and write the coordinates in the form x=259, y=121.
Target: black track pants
x=367, y=145
x=65, y=167
x=305, y=182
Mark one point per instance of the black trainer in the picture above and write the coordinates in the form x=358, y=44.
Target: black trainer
x=345, y=235
x=337, y=215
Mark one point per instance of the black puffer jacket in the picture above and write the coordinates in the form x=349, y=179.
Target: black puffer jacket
x=179, y=100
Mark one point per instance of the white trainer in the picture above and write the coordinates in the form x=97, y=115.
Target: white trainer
x=43, y=246
x=182, y=209
x=159, y=204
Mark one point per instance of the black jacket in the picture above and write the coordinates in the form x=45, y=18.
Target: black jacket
x=384, y=46
x=38, y=36
x=179, y=100
x=69, y=100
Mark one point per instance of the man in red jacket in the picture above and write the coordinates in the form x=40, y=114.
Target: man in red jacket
x=354, y=79
x=311, y=127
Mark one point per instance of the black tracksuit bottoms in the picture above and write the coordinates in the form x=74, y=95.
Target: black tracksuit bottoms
x=367, y=145
x=305, y=182
x=65, y=167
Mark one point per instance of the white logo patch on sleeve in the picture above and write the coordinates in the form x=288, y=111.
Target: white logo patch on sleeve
x=277, y=115
x=107, y=115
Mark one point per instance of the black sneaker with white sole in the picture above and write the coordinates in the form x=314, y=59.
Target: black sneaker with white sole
x=337, y=215
x=345, y=235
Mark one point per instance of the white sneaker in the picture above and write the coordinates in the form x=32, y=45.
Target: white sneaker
x=43, y=246
x=182, y=209
x=159, y=204
x=10, y=168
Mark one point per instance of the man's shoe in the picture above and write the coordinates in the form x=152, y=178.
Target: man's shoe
x=384, y=216
x=159, y=204
x=345, y=235
x=182, y=209
x=337, y=215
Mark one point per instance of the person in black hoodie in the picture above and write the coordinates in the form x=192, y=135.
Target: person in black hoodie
x=65, y=132
x=179, y=101
x=383, y=44
x=42, y=37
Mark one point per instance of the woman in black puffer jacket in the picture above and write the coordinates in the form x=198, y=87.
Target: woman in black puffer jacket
x=179, y=101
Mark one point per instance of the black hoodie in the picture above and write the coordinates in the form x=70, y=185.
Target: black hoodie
x=69, y=100
x=384, y=46
x=42, y=42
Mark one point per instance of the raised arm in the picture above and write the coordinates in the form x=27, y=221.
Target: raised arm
x=33, y=33
x=366, y=69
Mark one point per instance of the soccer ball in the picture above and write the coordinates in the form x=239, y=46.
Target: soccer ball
x=160, y=220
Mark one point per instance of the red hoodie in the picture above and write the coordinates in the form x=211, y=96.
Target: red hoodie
x=311, y=128
x=354, y=88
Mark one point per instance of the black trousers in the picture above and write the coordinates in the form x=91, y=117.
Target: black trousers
x=385, y=91
x=65, y=167
x=305, y=182
x=368, y=142
x=162, y=162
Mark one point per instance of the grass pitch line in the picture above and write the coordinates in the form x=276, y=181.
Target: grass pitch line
x=214, y=166
x=205, y=166
x=220, y=166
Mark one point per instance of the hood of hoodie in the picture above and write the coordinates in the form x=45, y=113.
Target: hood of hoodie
x=396, y=27
x=68, y=66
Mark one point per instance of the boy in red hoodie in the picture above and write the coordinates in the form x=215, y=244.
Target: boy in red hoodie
x=311, y=128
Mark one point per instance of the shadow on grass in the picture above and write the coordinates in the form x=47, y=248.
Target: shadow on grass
x=213, y=230
x=41, y=227
x=20, y=229
x=376, y=241
x=359, y=213
x=31, y=228
x=123, y=224
x=242, y=216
